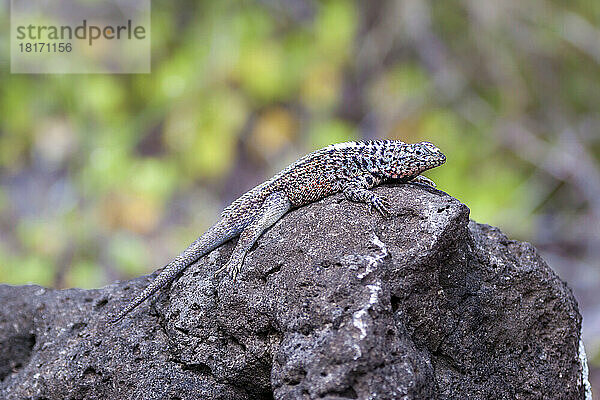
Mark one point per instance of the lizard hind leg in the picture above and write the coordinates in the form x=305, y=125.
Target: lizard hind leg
x=272, y=209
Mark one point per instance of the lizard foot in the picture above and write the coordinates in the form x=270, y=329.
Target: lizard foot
x=381, y=204
x=233, y=267
x=424, y=180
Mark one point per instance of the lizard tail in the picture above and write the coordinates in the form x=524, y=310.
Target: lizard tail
x=213, y=238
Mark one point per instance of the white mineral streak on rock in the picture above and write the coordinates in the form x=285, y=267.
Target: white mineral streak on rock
x=358, y=317
x=584, y=370
x=373, y=261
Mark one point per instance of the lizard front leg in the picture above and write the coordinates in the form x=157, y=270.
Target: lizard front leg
x=355, y=191
x=424, y=180
x=272, y=209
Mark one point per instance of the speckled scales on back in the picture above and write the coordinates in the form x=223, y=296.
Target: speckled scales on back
x=318, y=174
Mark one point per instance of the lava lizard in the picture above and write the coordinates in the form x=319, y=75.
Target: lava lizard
x=352, y=168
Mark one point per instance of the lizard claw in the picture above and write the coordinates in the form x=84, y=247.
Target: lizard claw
x=223, y=268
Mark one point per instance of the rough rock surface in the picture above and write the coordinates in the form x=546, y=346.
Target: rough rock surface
x=334, y=302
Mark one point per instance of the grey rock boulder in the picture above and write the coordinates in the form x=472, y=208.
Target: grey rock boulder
x=334, y=302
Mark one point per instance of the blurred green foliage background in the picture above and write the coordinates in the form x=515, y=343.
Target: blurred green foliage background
x=106, y=177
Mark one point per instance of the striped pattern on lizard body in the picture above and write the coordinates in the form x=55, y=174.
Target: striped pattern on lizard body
x=352, y=168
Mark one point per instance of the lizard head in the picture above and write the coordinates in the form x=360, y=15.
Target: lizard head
x=405, y=160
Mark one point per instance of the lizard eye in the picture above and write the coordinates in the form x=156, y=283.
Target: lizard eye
x=418, y=152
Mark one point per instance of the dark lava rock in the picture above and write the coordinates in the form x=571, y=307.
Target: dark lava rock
x=334, y=302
